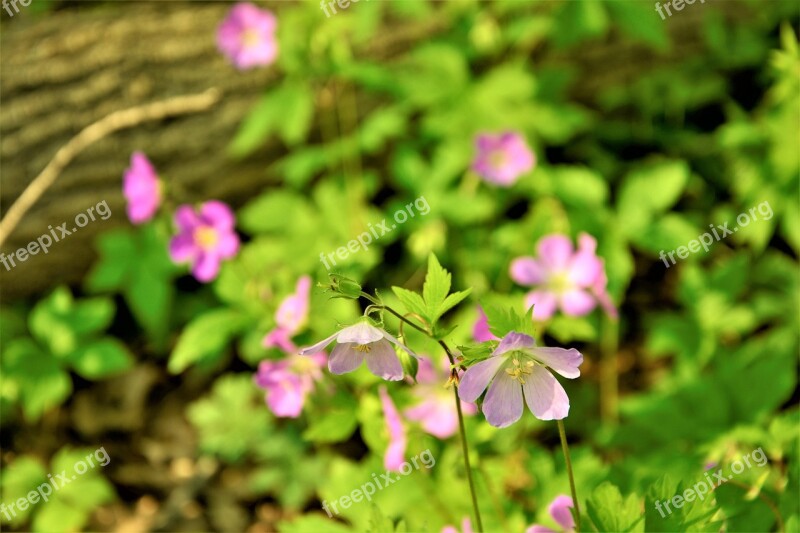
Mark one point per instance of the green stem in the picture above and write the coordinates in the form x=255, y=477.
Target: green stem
x=565, y=448
x=462, y=430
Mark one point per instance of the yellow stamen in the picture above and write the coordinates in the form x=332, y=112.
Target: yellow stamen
x=206, y=237
x=362, y=348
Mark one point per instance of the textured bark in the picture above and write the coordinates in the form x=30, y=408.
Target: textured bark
x=63, y=71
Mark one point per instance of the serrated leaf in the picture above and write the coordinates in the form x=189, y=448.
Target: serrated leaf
x=435, y=289
x=610, y=512
x=412, y=301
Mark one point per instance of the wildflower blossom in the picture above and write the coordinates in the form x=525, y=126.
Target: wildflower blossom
x=205, y=238
x=480, y=331
x=501, y=159
x=141, y=188
x=290, y=317
x=560, y=511
x=517, y=365
x=435, y=410
x=247, y=36
x=395, y=453
x=574, y=281
x=363, y=341
x=289, y=381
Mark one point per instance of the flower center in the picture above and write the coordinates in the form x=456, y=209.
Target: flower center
x=560, y=282
x=519, y=370
x=206, y=237
x=497, y=158
x=250, y=38
x=362, y=348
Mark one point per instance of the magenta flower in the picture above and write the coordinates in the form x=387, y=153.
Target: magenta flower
x=359, y=341
x=141, y=188
x=435, y=410
x=574, y=281
x=480, y=331
x=501, y=159
x=517, y=365
x=288, y=382
x=560, y=511
x=395, y=453
x=466, y=527
x=247, y=36
x=290, y=318
x=205, y=238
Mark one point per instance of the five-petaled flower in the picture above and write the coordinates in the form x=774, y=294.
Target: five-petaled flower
x=290, y=318
x=517, y=365
x=359, y=341
x=560, y=511
x=205, y=238
x=572, y=280
x=501, y=159
x=289, y=381
x=142, y=189
x=247, y=36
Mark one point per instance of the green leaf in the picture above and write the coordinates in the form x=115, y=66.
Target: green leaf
x=18, y=479
x=334, y=426
x=101, y=358
x=412, y=301
x=435, y=289
x=205, y=338
x=610, y=512
x=39, y=378
x=648, y=191
x=453, y=300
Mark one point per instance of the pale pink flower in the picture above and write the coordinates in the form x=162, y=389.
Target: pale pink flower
x=560, y=511
x=289, y=381
x=567, y=279
x=395, y=453
x=515, y=367
x=142, y=189
x=501, y=159
x=290, y=318
x=480, y=331
x=362, y=341
x=435, y=410
x=205, y=238
x=247, y=36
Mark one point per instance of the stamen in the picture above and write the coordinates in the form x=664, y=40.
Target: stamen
x=362, y=348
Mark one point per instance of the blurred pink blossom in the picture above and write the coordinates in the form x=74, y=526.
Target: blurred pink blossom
x=205, y=238
x=142, y=189
x=247, y=36
x=501, y=159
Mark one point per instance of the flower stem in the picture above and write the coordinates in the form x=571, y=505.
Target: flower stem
x=462, y=430
x=565, y=448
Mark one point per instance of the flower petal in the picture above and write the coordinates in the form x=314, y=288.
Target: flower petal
x=360, y=333
x=182, y=248
x=544, y=395
x=536, y=528
x=503, y=403
x=514, y=341
x=319, y=346
x=206, y=267
x=218, y=215
x=391, y=339
x=563, y=361
x=577, y=302
x=560, y=511
x=383, y=362
x=345, y=358
x=543, y=302
x=477, y=378
x=527, y=271
x=186, y=219
x=554, y=251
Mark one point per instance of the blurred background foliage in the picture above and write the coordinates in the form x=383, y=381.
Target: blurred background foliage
x=645, y=132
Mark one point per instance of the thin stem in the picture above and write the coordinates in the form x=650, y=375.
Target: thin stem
x=498, y=507
x=462, y=430
x=609, y=379
x=565, y=447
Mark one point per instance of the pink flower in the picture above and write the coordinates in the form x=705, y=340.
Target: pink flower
x=247, y=36
x=466, y=527
x=574, y=281
x=362, y=341
x=502, y=158
x=480, y=331
x=560, y=511
x=395, y=453
x=435, y=410
x=288, y=382
x=290, y=317
x=204, y=238
x=141, y=188
x=517, y=365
